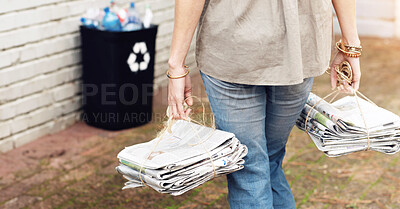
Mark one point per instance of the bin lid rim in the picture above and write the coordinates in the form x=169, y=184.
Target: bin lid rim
x=152, y=26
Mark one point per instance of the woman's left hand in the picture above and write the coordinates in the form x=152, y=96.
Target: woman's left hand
x=355, y=66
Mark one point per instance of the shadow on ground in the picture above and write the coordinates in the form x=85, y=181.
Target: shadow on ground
x=75, y=168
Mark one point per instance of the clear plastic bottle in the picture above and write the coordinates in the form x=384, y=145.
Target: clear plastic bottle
x=133, y=21
x=92, y=18
x=90, y=23
x=111, y=21
x=148, y=16
x=114, y=7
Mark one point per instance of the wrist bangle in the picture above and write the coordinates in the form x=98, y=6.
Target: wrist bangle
x=349, y=50
x=179, y=76
x=352, y=47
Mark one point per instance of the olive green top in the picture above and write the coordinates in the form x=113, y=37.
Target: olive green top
x=264, y=42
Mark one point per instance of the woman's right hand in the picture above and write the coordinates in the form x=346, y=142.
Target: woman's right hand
x=178, y=91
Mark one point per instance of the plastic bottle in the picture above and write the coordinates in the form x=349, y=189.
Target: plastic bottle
x=122, y=15
x=93, y=18
x=133, y=19
x=147, y=17
x=95, y=14
x=113, y=7
x=111, y=21
x=90, y=23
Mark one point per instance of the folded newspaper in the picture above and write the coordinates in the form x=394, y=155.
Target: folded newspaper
x=339, y=128
x=185, y=158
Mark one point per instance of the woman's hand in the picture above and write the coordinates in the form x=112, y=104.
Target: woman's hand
x=178, y=90
x=355, y=66
x=187, y=15
x=346, y=15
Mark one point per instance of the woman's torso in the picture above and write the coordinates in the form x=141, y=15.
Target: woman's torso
x=264, y=42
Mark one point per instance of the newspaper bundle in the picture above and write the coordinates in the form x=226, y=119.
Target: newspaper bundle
x=181, y=160
x=349, y=125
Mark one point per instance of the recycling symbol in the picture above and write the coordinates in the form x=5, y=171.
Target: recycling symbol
x=139, y=49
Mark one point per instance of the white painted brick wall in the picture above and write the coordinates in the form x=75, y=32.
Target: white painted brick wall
x=39, y=83
x=37, y=67
x=40, y=63
x=6, y=144
x=5, y=129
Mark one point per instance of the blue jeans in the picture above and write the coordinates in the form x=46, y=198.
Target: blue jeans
x=261, y=117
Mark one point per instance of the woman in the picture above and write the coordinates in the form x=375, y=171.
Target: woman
x=257, y=60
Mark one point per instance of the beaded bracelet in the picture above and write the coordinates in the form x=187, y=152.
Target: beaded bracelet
x=179, y=76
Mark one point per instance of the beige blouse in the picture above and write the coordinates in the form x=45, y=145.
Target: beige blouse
x=264, y=42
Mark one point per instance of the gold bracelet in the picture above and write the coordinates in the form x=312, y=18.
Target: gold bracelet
x=179, y=76
x=349, y=47
x=351, y=51
x=353, y=48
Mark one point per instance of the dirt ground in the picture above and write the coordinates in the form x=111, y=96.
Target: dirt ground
x=75, y=167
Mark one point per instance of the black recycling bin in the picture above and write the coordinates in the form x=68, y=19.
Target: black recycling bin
x=117, y=75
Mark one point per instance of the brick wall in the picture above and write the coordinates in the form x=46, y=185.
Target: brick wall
x=378, y=18
x=40, y=66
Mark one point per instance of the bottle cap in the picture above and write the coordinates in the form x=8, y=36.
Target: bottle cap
x=133, y=4
x=106, y=9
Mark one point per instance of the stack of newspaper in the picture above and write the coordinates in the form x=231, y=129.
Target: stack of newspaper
x=181, y=160
x=341, y=128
